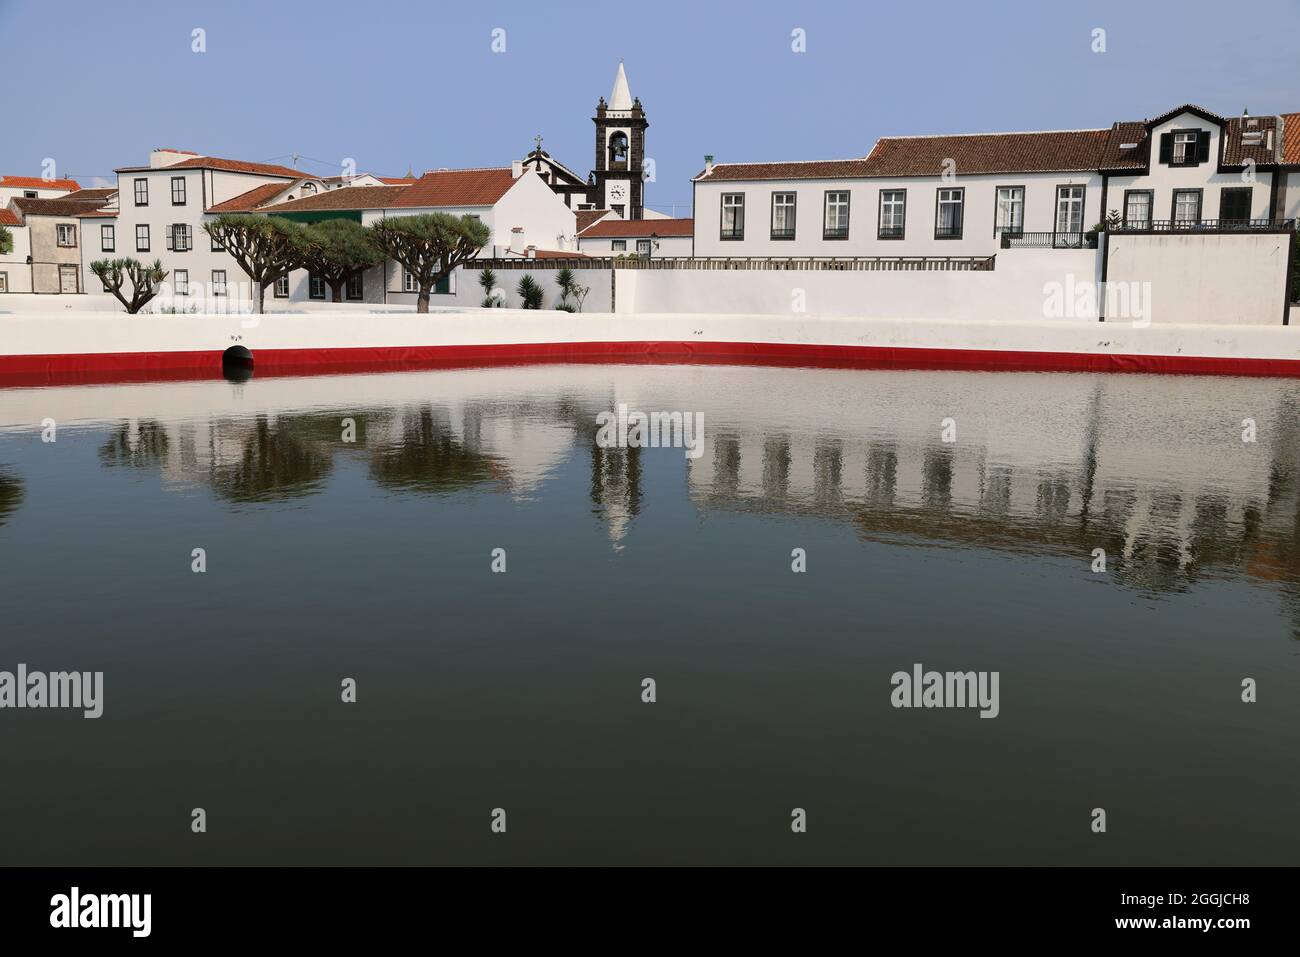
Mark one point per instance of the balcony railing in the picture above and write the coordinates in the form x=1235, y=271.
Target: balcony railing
x=783, y=234
x=1204, y=226
x=1053, y=240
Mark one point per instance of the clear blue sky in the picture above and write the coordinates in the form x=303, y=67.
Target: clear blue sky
x=398, y=83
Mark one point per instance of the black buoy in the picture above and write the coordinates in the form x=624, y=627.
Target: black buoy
x=237, y=364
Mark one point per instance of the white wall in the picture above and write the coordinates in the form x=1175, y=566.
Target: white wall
x=14, y=265
x=978, y=238
x=669, y=246
x=1221, y=278
x=547, y=223
x=1014, y=291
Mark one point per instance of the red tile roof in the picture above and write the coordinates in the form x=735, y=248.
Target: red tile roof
x=457, y=187
x=62, y=206
x=1131, y=135
x=255, y=197
x=1048, y=152
x=640, y=228
x=398, y=180
x=345, y=197
x=229, y=165
x=1235, y=148
x=9, y=218
x=36, y=182
x=587, y=217
x=1291, y=138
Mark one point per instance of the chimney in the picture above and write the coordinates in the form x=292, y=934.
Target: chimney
x=530, y=252
x=516, y=169
x=708, y=163
x=162, y=158
x=517, y=239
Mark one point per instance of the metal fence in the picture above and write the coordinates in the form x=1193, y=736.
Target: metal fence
x=1205, y=226
x=849, y=264
x=1053, y=240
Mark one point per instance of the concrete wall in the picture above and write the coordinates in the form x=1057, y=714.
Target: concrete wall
x=1015, y=290
x=669, y=246
x=1221, y=278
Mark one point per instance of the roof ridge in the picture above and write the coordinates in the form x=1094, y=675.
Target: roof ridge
x=937, y=136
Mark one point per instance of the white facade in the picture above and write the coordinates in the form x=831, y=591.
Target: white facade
x=977, y=237
x=15, y=270
x=33, y=188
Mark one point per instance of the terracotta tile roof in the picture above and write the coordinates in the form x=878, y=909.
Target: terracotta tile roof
x=229, y=165
x=9, y=218
x=62, y=206
x=554, y=254
x=640, y=228
x=1291, y=138
x=36, y=182
x=398, y=180
x=255, y=197
x=346, y=197
x=807, y=169
x=1129, y=134
x=1055, y=151
x=94, y=193
x=457, y=187
x=588, y=217
x=1236, y=151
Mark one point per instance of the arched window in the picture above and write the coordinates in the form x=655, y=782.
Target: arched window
x=618, y=148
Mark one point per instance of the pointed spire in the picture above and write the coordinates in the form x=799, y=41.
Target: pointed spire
x=621, y=97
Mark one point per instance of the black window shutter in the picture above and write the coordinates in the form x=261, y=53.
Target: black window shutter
x=1203, y=146
x=1166, y=147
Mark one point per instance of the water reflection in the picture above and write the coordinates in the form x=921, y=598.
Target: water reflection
x=1154, y=471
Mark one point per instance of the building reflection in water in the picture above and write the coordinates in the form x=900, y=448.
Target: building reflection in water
x=11, y=494
x=1153, y=470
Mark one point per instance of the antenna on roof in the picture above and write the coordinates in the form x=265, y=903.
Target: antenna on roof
x=295, y=160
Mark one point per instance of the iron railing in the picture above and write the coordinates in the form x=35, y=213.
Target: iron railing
x=1052, y=240
x=1204, y=226
x=848, y=264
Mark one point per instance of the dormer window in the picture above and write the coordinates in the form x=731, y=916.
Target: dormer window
x=1185, y=147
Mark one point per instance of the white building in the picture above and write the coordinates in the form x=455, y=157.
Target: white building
x=961, y=195
x=34, y=187
x=521, y=213
x=648, y=238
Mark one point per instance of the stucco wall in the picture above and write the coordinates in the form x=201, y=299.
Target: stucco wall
x=14, y=264
x=1015, y=290
x=1220, y=278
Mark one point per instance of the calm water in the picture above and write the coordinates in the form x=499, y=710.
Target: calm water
x=522, y=690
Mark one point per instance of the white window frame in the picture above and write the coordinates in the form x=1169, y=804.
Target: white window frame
x=893, y=214
x=784, y=205
x=107, y=239
x=835, y=216
x=181, y=282
x=1010, y=214
x=65, y=235
x=218, y=282
x=733, y=213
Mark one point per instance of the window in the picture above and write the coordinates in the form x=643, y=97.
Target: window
x=4, y=282
x=107, y=239
x=1187, y=207
x=1234, y=206
x=1185, y=147
x=181, y=281
x=215, y=244
x=835, y=224
x=281, y=290
x=783, y=215
x=409, y=283
x=733, y=216
x=30, y=194
x=893, y=213
x=178, y=238
x=1137, y=208
x=65, y=235
x=618, y=245
x=948, y=213
x=308, y=189
x=178, y=190
x=643, y=248
x=142, y=192
x=1010, y=217
x=354, y=289
x=1069, y=209
x=316, y=287
x=142, y=239
x=218, y=282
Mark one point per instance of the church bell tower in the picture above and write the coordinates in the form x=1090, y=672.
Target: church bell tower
x=620, y=151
